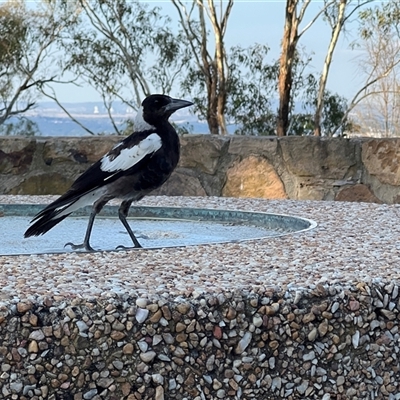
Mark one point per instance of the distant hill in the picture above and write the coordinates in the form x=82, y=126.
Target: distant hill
x=52, y=121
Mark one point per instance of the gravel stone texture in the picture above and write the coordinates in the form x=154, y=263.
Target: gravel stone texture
x=313, y=315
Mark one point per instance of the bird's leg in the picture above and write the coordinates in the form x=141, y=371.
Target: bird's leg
x=122, y=213
x=86, y=245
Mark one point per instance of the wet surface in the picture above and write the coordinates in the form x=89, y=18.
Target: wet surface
x=200, y=227
x=108, y=233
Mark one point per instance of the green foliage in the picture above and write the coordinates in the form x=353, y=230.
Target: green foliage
x=250, y=88
x=127, y=50
x=301, y=124
x=334, y=119
x=253, y=86
x=110, y=47
x=194, y=86
x=385, y=18
x=251, y=82
x=13, y=32
x=21, y=126
x=335, y=107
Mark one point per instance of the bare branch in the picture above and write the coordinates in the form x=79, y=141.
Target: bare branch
x=357, y=98
x=380, y=64
x=108, y=106
x=14, y=112
x=311, y=23
x=134, y=71
x=54, y=98
x=225, y=16
x=186, y=24
x=40, y=29
x=356, y=8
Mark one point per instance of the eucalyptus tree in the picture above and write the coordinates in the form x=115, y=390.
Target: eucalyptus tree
x=28, y=41
x=337, y=15
x=208, y=69
x=295, y=11
x=377, y=103
x=124, y=50
x=251, y=89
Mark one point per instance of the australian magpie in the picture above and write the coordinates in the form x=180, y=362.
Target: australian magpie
x=130, y=170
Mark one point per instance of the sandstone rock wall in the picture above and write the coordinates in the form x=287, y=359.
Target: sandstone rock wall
x=269, y=167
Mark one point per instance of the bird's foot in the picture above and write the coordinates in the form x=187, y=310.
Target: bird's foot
x=121, y=247
x=85, y=246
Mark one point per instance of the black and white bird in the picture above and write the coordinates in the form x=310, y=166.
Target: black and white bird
x=130, y=170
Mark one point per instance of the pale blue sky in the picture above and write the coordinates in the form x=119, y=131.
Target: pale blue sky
x=262, y=21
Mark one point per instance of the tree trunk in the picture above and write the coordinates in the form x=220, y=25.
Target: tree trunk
x=220, y=61
x=328, y=60
x=214, y=69
x=289, y=42
x=212, y=117
x=212, y=103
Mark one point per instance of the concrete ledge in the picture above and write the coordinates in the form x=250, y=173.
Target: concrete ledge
x=333, y=341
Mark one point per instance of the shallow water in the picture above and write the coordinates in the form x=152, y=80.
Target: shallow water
x=108, y=233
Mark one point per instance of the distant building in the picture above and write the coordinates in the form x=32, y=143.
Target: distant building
x=96, y=110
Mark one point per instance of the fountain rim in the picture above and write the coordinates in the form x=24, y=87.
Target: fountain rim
x=172, y=213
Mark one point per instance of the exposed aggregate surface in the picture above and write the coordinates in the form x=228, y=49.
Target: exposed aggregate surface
x=313, y=315
x=353, y=242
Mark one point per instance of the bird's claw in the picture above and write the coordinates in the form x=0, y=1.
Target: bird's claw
x=85, y=246
x=122, y=247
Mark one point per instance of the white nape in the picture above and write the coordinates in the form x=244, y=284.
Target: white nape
x=139, y=124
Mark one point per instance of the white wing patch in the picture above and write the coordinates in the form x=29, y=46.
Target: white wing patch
x=128, y=157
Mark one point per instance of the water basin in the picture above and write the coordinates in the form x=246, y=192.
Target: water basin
x=155, y=227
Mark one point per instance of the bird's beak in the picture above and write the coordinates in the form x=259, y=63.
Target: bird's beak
x=176, y=104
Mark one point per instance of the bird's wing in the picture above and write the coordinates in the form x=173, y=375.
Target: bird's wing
x=122, y=157
x=130, y=154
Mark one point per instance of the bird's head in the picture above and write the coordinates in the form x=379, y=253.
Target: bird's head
x=159, y=107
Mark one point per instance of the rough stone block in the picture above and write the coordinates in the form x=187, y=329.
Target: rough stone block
x=16, y=154
x=381, y=159
x=42, y=184
x=357, y=193
x=318, y=157
x=202, y=152
x=253, y=177
x=180, y=184
x=249, y=145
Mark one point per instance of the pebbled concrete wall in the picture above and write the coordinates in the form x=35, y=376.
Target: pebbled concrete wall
x=303, y=168
x=329, y=343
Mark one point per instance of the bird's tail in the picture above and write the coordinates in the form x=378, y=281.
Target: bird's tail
x=53, y=214
x=44, y=221
x=60, y=209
